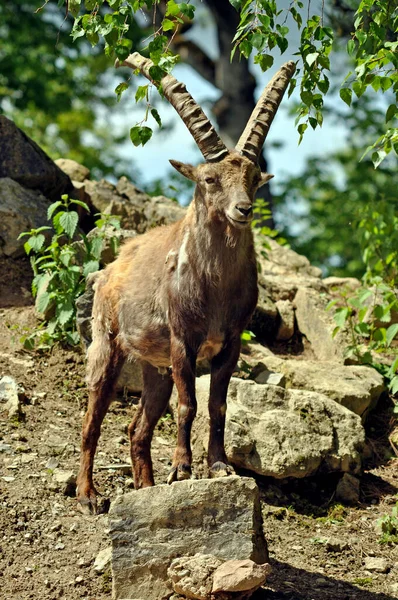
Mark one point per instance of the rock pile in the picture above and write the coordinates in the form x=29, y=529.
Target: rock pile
x=182, y=537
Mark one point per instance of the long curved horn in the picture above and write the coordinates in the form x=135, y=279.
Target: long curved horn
x=203, y=132
x=252, y=139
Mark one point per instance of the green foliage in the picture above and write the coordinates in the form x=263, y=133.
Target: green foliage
x=373, y=48
x=261, y=216
x=60, y=96
x=262, y=28
x=370, y=313
x=322, y=206
x=60, y=269
x=388, y=526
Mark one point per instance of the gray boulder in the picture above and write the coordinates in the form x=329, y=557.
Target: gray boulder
x=317, y=325
x=137, y=210
x=152, y=526
x=21, y=210
x=358, y=388
x=74, y=170
x=283, y=271
x=24, y=161
x=282, y=433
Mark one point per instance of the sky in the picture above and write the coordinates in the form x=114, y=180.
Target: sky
x=287, y=160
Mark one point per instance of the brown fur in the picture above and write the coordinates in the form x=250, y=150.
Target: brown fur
x=174, y=295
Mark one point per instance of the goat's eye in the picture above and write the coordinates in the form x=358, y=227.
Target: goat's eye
x=209, y=180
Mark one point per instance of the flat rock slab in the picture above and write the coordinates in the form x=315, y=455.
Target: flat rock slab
x=151, y=527
x=358, y=388
x=282, y=433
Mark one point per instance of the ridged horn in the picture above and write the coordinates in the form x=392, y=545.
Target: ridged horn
x=199, y=126
x=252, y=139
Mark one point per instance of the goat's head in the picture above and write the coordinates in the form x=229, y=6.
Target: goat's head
x=226, y=189
x=227, y=182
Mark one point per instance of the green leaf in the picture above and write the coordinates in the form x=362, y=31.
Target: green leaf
x=80, y=203
x=73, y=337
x=96, y=246
x=168, y=25
x=42, y=302
x=311, y=58
x=64, y=311
x=313, y=122
x=53, y=207
x=140, y=135
x=346, y=95
x=351, y=47
x=90, y=267
x=245, y=48
x=156, y=116
x=68, y=222
x=306, y=97
x=264, y=60
x=142, y=92
x=36, y=242
x=301, y=128
x=341, y=316
x=392, y=332
x=119, y=89
x=122, y=48
x=323, y=85
x=74, y=7
x=156, y=73
x=391, y=111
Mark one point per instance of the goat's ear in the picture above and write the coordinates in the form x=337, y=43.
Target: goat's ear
x=264, y=178
x=187, y=170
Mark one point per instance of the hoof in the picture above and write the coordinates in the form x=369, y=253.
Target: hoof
x=91, y=504
x=221, y=469
x=179, y=473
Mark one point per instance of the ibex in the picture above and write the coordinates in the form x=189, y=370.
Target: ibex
x=181, y=293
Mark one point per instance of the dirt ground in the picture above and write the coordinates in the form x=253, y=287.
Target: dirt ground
x=47, y=548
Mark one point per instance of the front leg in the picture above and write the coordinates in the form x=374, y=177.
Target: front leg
x=183, y=360
x=222, y=367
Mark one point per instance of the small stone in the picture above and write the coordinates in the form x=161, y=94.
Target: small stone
x=191, y=576
x=271, y=378
x=11, y=396
x=125, y=468
x=120, y=440
x=29, y=569
x=84, y=562
x=8, y=479
x=59, y=546
x=66, y=481
x=336, y=545
x=79, y=579
x=347, y=490
x=52, y=463
x=377, y=564
x=239, y=576
x=103, y=560
x=286, y=313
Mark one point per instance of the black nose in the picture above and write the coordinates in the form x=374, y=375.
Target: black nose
x=245, y=211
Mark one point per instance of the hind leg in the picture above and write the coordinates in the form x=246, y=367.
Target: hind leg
x=155, y=397
x=101, y=392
